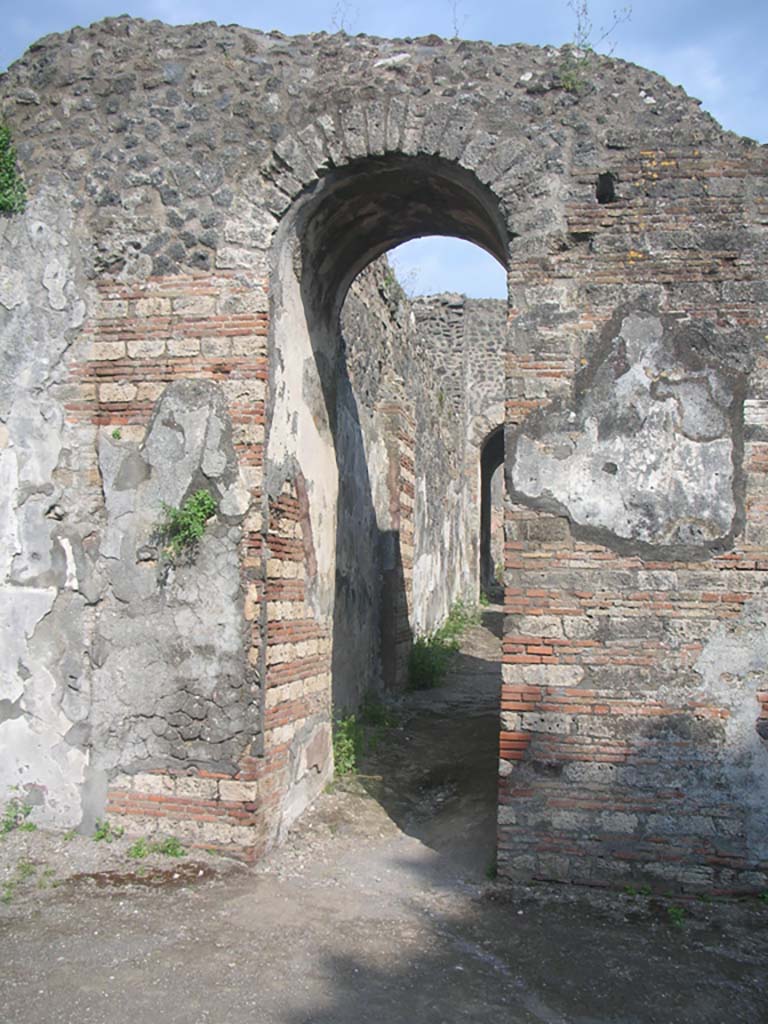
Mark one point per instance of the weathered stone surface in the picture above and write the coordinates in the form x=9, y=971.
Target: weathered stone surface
x=170, y=637
x=41, y=306
x=648, y=452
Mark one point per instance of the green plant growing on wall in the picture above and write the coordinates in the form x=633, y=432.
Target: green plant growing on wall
x=182, y=528
x=676, y=916
x=577, y=57
x=13, y=192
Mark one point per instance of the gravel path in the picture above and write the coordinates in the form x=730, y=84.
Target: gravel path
x=377, y=909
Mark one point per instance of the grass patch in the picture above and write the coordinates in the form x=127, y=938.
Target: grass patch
x=170, y=847
x=24, y=870
x=432, y=654
x=47, y=878
x=357, y=734
x=348, y=740
x=106, y=832
x=428, y=661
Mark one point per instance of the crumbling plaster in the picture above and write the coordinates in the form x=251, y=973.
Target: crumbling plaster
x=649, y=450
x=46, y=586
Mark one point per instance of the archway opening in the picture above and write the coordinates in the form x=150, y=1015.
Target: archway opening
x=373, y=415
x=438, y=265
x=361, y=211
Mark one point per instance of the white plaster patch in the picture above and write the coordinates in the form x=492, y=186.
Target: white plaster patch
x=647, y=456
x=300, y=432
x=649, y=472
x=71, y=568
x=32, y=753
x=54, y=282
x=389, y=62
x=13, y=287
x=35, y=428
x=9, y=532
x=21, y=609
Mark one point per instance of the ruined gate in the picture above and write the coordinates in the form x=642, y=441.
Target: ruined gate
x=201, y=199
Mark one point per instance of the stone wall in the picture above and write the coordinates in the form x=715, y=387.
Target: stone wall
x=411, y=359
x=201, y=200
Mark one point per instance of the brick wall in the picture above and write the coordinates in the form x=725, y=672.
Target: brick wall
x=621, y=760
x=141, y=337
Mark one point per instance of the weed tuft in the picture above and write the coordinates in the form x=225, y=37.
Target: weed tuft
x=24, y=870
x=182, y=528
x=347, y=744
x=106, y=832
x=47, y=879
x=676, y=916
x=139, y=850
x=15, y=815
x=432, y=654
x=575, y=71
x=357, y=734
x=170, y=846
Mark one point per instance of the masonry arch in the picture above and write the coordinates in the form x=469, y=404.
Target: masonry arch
x=360, y=211
x=352, y=470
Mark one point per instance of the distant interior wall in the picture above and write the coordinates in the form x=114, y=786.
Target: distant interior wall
x=418, y=357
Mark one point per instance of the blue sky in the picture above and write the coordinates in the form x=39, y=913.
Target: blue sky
x=715, y=50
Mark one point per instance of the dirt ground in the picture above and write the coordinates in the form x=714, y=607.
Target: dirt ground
x=379, y=908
